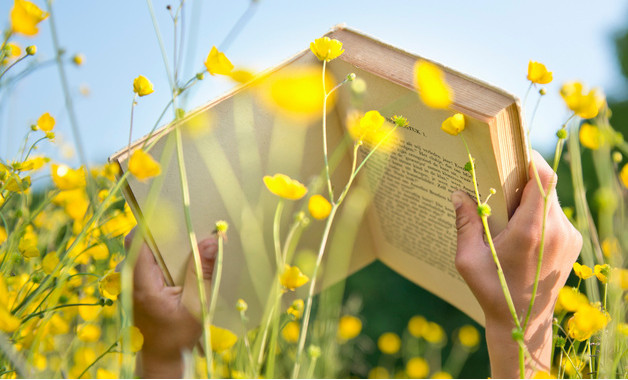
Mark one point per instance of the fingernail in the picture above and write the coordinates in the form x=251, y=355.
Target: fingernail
x=208, y=247
x=456, y=199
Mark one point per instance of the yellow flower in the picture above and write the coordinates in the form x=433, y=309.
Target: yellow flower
x=28, y=243
x=143, y=166
x=142, y=86
x=109, y=285
x=610, y=247
x=585, y=322
x=433, y=333
x=441, y=375
x=570, y=299
x=349, y=327
x=242, y=75
x=66, y=178
x=49, y=262
x=102, y=373
x=590, y=136
x=602, y=272
x=14, y=50
x=88, y=332
x=584, y=105
x=221, y=339
x=469, y=336
x=326, y=49
x=291, y=331
x=430, y=82
x=620, y=277
x=78, y=59
x=3, y=235
x=416, y=325
x=121, y=223
x=25, y=16
x=16, y=184
x=297, y=93
x=373, y=129
x=542, y=375
x=379, y=373
x=454, y=124
x=296, y=309
x=8, y=322
x=319, y=207
x=623, y=175
x=292, y=278
x=218, y=63
x=417, y=368
x=537, y=73
x=582, y=271
x=285, y=187
x=46, y=122
x=33, y=164
x=137, y=339
x=622, y=328
x=389, y=343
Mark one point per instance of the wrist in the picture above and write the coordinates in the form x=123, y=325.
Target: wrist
x=151, y=365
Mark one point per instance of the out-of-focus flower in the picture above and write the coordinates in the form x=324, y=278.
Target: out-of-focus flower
x=102, y=373
x=582, y=271
x=50, y=262
x=590, y=136
x=285, y=187
x=137, y=339
x=221, y=339
x=25, y=16
x=296, y=93
x=109, y=285
x=537, y=73
x=28, y=243
x=389, y=343
x=454, y=124
x=441, y=375
x=429, y=81
x=610, y=247
x=13, y=50
x=142, y=86
x=349, y=327
x=319, y=207
x=66, y=178
x=434, y=333
x=623, y=175
x=585, y=322
x=3, y=235
x=242, y=75
x=296, y=309
x=291, y=331
x=586, y=105
x=417, y=368
x=570, y=299
x=88, y=332
x=469, y=336
x=542, y=375
x=379, y=373
x=78, y=59
x=218, y=63
x=121, y=223
x=326, y=49
x=143, y=166
x=33, y=164
x=416, y=325
x=46, y=122
x=292, y=278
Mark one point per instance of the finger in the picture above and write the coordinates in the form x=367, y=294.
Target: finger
x=146, y=274
x=208, y=250
x=530, y=210
x=469, y=229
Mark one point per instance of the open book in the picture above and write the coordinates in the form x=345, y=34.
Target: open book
x=232, y=142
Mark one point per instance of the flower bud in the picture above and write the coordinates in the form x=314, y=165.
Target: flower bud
x=222, y=226
x=314, y=351
x=617, y=157
x=31, y=50
x=33, y=127
x=561, y=133
x=200, y=76
x=179, y=113
x=468, y=167
x=484, y=210
x=543, y=91
x=351, y=77
x=517, y=335
x=241, y=305
x=492, y=191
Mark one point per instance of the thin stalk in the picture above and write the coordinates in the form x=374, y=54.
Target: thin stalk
x=97, y=359
x=164, y=55
x=185, y=191
x=56, y=308
x=238, y=26
x=310, y=371
x=308, y=306
x=327, y=175
x=276, y=235
x=13, y=64
x=218, y=275
x=133, y=103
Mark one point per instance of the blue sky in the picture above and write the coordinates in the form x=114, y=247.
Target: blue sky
x=490, y=40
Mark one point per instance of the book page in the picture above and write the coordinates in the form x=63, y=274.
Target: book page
x=228, y=146
x=412, y=219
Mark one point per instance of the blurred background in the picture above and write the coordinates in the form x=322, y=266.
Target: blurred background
x=490, y=40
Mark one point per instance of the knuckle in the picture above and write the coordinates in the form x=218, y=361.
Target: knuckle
x=462, y=220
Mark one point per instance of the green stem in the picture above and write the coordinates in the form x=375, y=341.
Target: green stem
x=133, y=103
x=276, y=235
x=164, y=55
x=56, y=308
x=218, y=275
x=97, y=359
x=327, y=175
x=537, y=275
x=13, y=64
x=195, y=253
x=379, y=143
x=308, y=306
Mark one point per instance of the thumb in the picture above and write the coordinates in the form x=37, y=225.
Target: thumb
x=469, y=228
x=208, y=250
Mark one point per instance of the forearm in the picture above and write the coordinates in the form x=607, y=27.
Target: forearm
x=504, y=350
